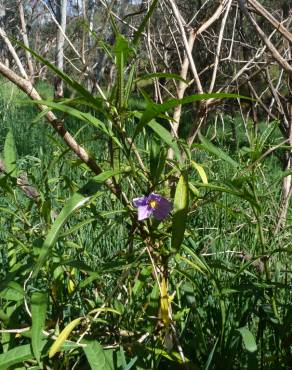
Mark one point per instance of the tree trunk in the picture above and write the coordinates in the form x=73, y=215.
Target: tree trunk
x=25, y=41
x=61, y=13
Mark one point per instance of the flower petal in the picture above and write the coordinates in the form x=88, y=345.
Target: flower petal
x=142, y=201
x=163, y=208
x=144, y=212
x=154, y=196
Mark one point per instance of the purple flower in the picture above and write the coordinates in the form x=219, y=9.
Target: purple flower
x=153, y=204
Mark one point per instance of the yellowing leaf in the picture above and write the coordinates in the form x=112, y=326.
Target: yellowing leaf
x=164, y=303
x=63, y=336
x=201, y=172
x=70, y=286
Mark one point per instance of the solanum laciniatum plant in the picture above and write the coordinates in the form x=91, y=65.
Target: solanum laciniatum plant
x=149, y=253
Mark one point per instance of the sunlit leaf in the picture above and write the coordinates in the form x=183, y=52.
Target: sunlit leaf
x=96, y=357
x=201, y=171
x=180, y=211
x=248, y=339
x=63, y=336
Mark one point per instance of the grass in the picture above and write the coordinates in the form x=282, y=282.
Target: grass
x=217, y=278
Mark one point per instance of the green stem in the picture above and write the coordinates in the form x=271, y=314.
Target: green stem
x=266, y=264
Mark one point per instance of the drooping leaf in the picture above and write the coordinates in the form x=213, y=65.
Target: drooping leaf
x=64, y=77
x=63, y=337
x=201, y=171
x=83, y=116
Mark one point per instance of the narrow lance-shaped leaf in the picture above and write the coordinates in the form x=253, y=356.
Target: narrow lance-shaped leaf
x=164, y=304
x=10, y=154
x=201, y=171
x=79, y=199
x=219, y=153
x=83, y=116
x=154, y=110
x=142, y=26
x=180, y=209
x=71, y=82
x=63, y=336
x=165, y=136
x=38, y=314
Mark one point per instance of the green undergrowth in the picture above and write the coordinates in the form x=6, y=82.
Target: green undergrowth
x=229, y=280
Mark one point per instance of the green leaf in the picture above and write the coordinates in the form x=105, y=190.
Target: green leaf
x=12, y=291
x=180, y=211
x=38, y=313
x=78, y=200
x=96, y=356
x=197, y=261
x=210, y=357
x=15, y=356
x=121, y=51
x=154, y=110
x=165, y=136
x=157, y=158
x=71, y=82
x=219, y=153
x=129, y=84
x=248, y=339
x=243, y=194
x=266, y=135
x=143, y=25
x=201, y=171
x=10, y=154
x=82, y=116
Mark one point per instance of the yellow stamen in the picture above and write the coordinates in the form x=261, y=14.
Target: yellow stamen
x=153, y=203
